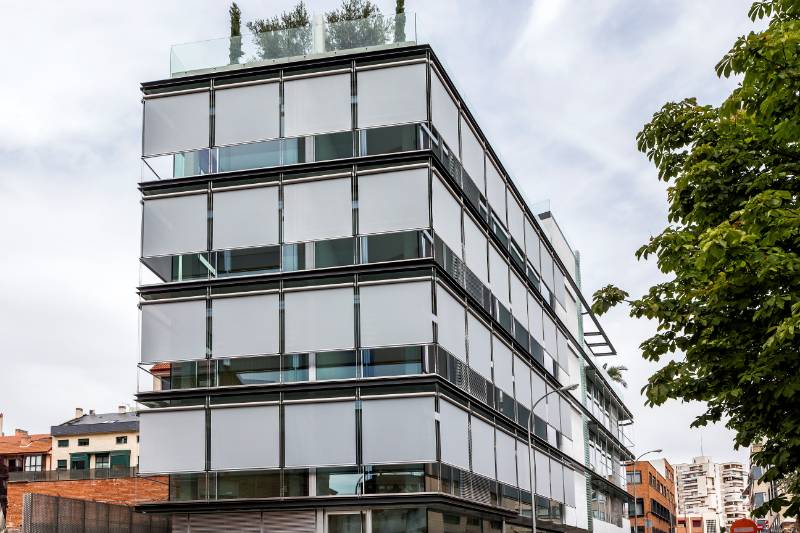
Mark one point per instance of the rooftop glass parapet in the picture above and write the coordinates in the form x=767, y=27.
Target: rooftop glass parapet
x=316, y=39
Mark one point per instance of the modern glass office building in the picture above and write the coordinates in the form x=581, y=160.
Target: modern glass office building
x=349, y=312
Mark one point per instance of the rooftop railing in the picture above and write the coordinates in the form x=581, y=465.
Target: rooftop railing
x=315, y=39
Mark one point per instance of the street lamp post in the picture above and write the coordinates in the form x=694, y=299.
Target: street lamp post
x=530, y=450
x=635, y=512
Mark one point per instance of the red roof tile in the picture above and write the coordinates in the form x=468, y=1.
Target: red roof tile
x=36, y=443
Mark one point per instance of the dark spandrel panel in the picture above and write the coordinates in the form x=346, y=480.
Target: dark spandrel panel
x=249, y=156
x=521, y=334
x=248, y=485
x=523, y=415
x=338, y=481
x=336, y=365
x=248, y=371
x=295, y=483
x=248, y=261
x=333, y=146
x=503, y=316
x=391, y=247
x=537, y=351
x=473, y=194
x=175, y=402
x=509, y=497
x=334, y=252
x=392, y=361
x=539, y=427
x=390, y=139
x=185, y=487
x=517, y=256
x=244, y=398
x=295, y=367
x=506, y=404
x=294, y=151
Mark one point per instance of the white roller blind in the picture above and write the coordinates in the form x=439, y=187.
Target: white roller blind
x=317, y=320
x=539, y=390
x=569, y=486
x=446, y=216
x=516, y=221
x=444, y=113
x=496, y=191
x=451, y=322
x=480, y=347
x=247, y=217
x=175, y=225
x=396, y=314
x=176, y=123
x=557, y=481
x=535, y=327
x=475, y=244
x=398, y=430
x=498, y=272
x=245, y=326
x=245, y=437
x=542, y=466
x=554, y=410
x=558, y=286
x=454, y=435
x=567, y=413
x=523, y=465
x=394, y=95
x=519, y=300
x=320, y=434
x=482, y=448
x=503, y=373
x=547, y=268
x=522, y=380
x=471, y=154
x=317, y=210
x=243, y=114
x=506, y=459
x=172, y=441
x=532, y=246
x=173, y=331
x=317, y=105
x=393, y=201
x=550, y=338
x=563, y=351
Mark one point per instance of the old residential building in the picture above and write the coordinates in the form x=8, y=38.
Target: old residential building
x=351, y=318
x=96, y=444
x=652, y=483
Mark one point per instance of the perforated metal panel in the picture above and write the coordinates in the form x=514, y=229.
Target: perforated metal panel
x=213, y=523
x=290, y=522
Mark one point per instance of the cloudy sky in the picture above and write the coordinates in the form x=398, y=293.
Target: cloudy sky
x=559, y=87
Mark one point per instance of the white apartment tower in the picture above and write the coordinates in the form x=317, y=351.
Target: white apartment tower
x=704, y=487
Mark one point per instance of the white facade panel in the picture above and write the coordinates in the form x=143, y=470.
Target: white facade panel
x=398, y=430
x=446, y=216
x=249, y=113
x=396, y=314
x=247, y=217
x=482, y=448
x=173, y=331
x=454, y=434
x=318, y=320
x=480, y=347
x=475, y=250
x=498, y=273
x=176, y=123
x=393, y=201
x=320, y=104
x=172, y=441
x=245, y=437
x=451, y=321
x=503, y=361
x=496, y=191
x=444, y=113
x=506, y=459
x=471, y=154
x=320, y=434
x=394, y=95
x=175, y=225
x=317, y=210
x=245, y=326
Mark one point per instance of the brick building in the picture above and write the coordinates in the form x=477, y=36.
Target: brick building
x=21, y=452
x=652, y=484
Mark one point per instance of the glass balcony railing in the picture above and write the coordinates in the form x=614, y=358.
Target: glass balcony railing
x=317, y=38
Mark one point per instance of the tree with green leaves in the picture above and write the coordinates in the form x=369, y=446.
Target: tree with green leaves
x=728, y=315
x=235, y=47
x=355, y=24
x=400, y=21
x=287, y=34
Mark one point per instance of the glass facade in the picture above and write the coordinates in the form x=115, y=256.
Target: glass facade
x=387, y=325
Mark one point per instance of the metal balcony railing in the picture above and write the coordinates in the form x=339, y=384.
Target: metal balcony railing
x=70, y=475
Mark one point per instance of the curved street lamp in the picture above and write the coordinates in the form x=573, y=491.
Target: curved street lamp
x=635, y=513
x=531, y=475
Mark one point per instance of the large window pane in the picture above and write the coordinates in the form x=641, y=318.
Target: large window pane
x=482, y=448
x=396, y=314
x=392, y=95
x=454, y=434
x=175, y=225
x=243, y=114
x=480, y=347
x=503, y=374
x=317, y=210
x=172, y=441
x=398, y=430
x=249, y=371
x=471, y=154
x=176, y=123
x=451, y=322
x=400, y=361
x=444, y=113
x=498, y=270
x=475, y=246
x=319, y=434
x=446, y=216
x=246, y=218
x=393, y=201
x=399, y=520
x=336, y=365
x=542, y=465
x=173, y=331
x=245, y=437
x=245, y=326
x=321, y=319
x=506, y=459
x=317, y=105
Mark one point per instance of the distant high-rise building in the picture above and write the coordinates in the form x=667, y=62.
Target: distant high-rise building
x=706, y=487
x=351, y=318
x=757, y=492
